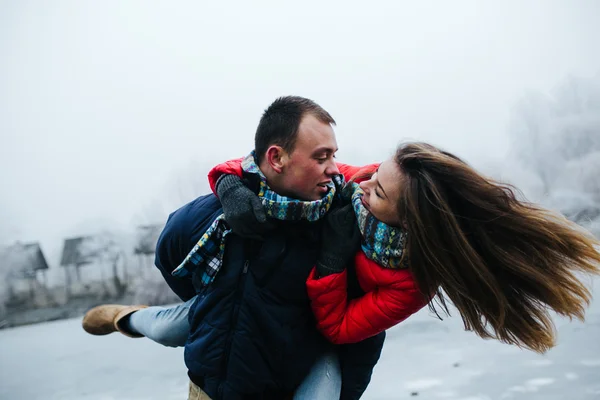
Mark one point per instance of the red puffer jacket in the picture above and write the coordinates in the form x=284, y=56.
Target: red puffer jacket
x=391, y=295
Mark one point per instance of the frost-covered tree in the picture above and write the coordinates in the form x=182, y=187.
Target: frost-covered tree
x=560, y=133
x=557, y=137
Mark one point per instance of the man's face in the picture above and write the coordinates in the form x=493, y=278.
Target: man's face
x=310, y=167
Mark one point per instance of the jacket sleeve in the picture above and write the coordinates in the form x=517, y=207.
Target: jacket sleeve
x=169, y=254
x=231, y=167
x=350, y=170
x=350, y=321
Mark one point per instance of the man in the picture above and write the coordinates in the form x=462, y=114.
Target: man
x=252, y=333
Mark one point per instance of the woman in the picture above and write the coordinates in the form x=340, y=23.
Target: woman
x=430, y=224
x=504, y=263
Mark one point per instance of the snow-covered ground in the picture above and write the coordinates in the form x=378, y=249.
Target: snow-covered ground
x=423, y=359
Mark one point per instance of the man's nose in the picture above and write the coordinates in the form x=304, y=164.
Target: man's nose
x=332, y=169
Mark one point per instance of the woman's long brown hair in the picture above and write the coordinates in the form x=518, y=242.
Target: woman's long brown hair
x=504, y=263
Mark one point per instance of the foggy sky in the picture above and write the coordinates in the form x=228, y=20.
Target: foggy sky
x=111, y=113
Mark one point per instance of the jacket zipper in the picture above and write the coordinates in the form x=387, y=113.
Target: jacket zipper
x=234, y=317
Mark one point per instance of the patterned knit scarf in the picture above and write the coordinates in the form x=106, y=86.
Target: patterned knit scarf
x=208, y=253
x=381, y=243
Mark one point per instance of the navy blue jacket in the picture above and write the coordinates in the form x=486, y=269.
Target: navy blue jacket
x=252, y=331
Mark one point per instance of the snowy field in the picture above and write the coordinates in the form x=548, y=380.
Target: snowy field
x=423, y=359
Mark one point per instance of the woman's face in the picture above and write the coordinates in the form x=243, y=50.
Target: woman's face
x=382, y=193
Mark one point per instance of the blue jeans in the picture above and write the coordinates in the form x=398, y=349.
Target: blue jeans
x=169, y=326
x=324, y=380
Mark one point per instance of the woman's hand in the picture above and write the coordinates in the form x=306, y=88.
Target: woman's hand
x=340, y=240
x=243, y=210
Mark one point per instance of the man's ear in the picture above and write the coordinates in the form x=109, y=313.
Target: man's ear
x=277, y=158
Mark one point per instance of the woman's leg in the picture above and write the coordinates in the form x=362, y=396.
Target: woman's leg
x=324, y=381
x=166, y=326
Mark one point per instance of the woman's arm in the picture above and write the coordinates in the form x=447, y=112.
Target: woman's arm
x=231, y=167
x=234, y=167
x=341, y=321
x=349, y=171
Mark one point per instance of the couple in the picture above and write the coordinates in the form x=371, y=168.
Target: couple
x=292, y=275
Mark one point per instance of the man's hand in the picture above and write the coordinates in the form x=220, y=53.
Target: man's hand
x=242, y=208
x=340, y=240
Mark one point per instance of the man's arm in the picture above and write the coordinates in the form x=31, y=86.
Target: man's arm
x=182, y=231
x=167, y=255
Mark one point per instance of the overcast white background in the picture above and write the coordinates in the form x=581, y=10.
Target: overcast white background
x=111, y=113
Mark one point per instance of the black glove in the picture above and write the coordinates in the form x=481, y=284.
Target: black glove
x=340, y=240
x=243, y=210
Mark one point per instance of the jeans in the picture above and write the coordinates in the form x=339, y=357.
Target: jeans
x=169, y=326
x=324, y=380
x=166, y=326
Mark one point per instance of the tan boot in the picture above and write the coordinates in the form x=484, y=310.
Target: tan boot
x=104, y=319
